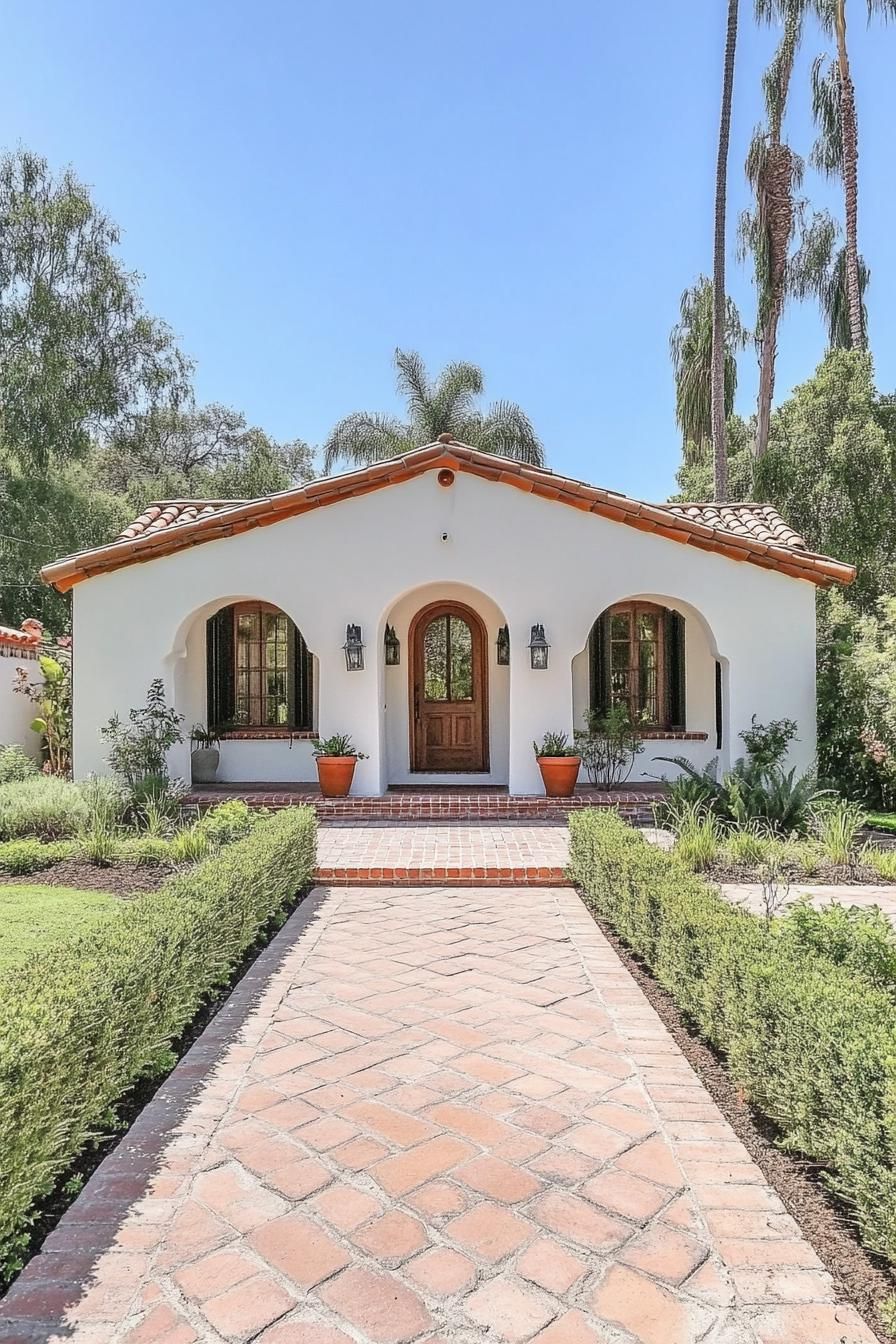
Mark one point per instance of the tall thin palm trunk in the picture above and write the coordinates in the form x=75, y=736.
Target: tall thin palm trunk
x=719, y=447
x=850, y=134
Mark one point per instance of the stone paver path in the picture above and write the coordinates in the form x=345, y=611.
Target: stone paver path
x=508, y=854
x=749, y=894
x=431, y=1115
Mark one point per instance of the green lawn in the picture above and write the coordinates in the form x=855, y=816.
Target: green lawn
x=882, y=821
x=31, y=918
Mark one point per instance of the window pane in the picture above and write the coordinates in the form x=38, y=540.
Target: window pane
x=620, y=654
x=461, y=645
x=620, y=625
x=648, y=625
x=435, y=659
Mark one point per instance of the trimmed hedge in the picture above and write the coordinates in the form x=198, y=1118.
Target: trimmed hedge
x=82, y=1024
x=802, y=1007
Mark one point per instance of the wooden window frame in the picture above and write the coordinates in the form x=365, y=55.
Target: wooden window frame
x=633, y=610
x=261, y=609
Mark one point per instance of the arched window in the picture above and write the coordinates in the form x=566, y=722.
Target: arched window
x=636, y=658
x=259, y=670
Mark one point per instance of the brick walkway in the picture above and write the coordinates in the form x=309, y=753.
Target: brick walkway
x=436, y=1116
x=514, y=854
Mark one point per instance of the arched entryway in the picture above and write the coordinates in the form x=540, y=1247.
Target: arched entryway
x=448, y=690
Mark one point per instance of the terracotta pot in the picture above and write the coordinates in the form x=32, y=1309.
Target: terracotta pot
x=335, y=775
x=559, y=774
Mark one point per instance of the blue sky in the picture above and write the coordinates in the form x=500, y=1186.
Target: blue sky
x=527, y=185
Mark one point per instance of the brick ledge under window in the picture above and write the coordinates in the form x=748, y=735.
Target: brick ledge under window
x=266, y=735
x=672, y=735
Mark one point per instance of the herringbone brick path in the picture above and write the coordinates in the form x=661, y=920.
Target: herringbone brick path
x=431, y=1115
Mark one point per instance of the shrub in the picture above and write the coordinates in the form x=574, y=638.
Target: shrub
x=229, y=821
x=43, y=806
x=30, y=856
x=608, y=745
x=749, y=845
x=52, y=696
x=698, y=835
x=837, y=825
x=80, y=1024
x=138, y=749
x=189, y=845
x=148, y=850
x=15, y=764
x=883, y=861
x=799, y=1008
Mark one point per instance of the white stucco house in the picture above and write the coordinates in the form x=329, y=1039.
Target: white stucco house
x=446, y=560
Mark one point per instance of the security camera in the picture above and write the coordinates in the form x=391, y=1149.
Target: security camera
x=444, y=536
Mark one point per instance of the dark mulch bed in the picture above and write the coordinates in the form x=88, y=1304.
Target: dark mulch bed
x=121, y=879
x=859, y=1277
x=829, y=875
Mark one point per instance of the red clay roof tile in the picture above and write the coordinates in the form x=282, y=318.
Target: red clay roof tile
x=750, y=532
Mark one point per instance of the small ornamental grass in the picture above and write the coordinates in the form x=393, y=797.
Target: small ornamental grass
x=81, y=1023
x=802, y=1006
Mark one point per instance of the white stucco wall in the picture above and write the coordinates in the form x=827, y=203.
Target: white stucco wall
x=364, y=560
x=17, y=711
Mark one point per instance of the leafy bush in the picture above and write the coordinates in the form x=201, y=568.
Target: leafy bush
x=30, y=856
x=748, y=845
x=43, y=806
x=15, y=764
x=229, y=821
x=138, y=749
x=78, y=1026
x=608, y=745
x=52, y=696
x=189, y=845
x=756, y=788
x=883, y=861
x=148, y=850
x=802, y=1006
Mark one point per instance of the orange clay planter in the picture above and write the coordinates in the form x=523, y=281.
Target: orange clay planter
x=559, y=774
x=335, y=774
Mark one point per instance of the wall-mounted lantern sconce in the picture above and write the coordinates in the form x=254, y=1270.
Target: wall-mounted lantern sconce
x=392, y=646
x=538, y=649
x=354, y=649
x=502, y=643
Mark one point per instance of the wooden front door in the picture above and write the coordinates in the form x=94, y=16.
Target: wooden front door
x=449, y=715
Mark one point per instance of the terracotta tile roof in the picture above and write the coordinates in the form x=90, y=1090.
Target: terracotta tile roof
x=169, y=513
x=760, y=521
x=170, y=529
x=30, y=636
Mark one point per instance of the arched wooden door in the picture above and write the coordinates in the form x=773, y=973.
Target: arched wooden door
x=449, y=690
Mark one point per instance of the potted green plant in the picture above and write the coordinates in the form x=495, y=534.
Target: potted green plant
x=559, y=764
x=336, y=759
x=204, y=754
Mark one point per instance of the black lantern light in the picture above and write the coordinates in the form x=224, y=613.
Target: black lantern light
x=502, y=643
x=354, y=649
x=392, y=647
x=538, y=649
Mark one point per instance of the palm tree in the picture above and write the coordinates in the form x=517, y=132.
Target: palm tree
x=719, y=449
x=446, y=406
x=774, y=171
x=690, y=344
x=832, y=295
x=836, y=151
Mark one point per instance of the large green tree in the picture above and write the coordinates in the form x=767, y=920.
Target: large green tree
x=446, y=405
x=830, y=469
x=79, y=354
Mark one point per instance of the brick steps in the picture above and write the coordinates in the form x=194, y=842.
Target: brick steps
x=449, y=876
x=449, y=806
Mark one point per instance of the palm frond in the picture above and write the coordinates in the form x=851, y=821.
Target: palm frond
x=452, y=398
x=364, y=437
x=690, y=345
x=505, y=429
x=827, y=152
x=776, y=79
x=811, y=262
x=834, y=300
x=413, y=383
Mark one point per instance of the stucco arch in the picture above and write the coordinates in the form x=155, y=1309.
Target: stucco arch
x=394, y=695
